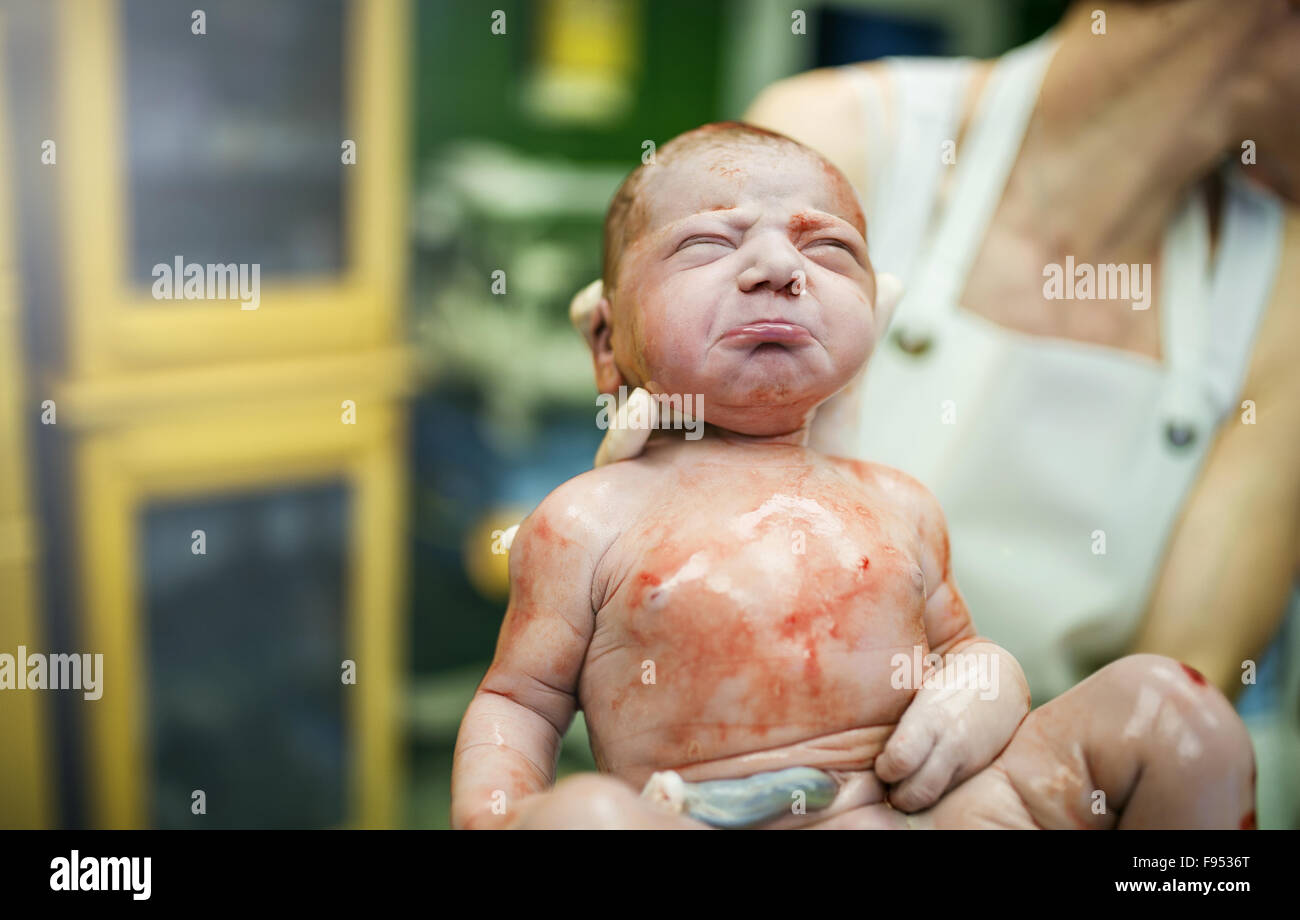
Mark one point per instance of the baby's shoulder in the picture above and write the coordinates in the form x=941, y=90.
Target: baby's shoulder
x=877, y=474
x=907, y=494
x=584, y=514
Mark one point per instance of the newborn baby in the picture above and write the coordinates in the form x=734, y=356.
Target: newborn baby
x=750, y=627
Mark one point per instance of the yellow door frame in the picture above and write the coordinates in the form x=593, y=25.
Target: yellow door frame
x=220, y=452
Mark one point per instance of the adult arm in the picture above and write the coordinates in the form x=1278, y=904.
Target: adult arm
x=1235, y=552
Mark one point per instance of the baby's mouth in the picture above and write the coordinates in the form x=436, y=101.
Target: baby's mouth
x=780, y=332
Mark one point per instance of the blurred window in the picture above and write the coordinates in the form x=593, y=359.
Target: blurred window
x=233, y=137
x=244, y=647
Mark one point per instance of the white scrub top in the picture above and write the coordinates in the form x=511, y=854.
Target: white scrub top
x=1061, y=465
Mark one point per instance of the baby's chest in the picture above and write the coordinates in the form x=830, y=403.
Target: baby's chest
x=733, y=571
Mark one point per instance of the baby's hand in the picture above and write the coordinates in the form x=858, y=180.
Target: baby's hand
x=952, y=730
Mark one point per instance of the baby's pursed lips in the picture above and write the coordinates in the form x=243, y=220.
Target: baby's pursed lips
x=770, y=330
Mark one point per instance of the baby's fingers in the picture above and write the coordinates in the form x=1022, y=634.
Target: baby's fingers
x=908, y=748
x=924, y=787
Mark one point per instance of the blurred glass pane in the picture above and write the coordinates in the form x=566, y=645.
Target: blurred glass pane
x=233, y=138
x=847, y=36
x=244, y=647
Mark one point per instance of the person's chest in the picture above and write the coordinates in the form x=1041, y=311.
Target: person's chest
x=1025, y=281
x=1015, y=283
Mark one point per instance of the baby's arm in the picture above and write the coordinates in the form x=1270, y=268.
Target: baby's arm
x=510, y=736
x=956, y=727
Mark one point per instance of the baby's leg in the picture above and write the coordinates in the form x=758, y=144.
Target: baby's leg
x=591, y=801
x=1144, y=742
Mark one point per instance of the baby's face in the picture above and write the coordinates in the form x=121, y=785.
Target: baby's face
x=705, y=302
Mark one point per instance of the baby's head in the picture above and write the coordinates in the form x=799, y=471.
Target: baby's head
x=736, y=268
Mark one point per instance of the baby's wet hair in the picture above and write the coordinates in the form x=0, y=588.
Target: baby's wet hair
x=626, y=215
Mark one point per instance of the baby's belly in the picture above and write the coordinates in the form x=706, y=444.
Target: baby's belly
x=724, y=688
x=719, y=718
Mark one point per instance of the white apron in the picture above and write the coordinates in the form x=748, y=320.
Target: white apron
x=1060, y=465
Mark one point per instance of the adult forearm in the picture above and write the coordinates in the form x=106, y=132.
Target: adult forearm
x=1229, y=637
x=1226, y=581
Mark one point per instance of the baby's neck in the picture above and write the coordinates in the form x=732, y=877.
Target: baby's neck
x=714, y=435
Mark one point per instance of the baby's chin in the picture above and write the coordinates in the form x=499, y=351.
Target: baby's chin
x=764, y=395
x=766, y=409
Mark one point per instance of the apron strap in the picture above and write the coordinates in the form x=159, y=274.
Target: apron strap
x=1185, y=319
x=996, y=133
x=928, y=97
x=1209, y=321
x=878, y=150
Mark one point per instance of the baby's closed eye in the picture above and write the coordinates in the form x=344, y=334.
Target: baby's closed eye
x=701, y=240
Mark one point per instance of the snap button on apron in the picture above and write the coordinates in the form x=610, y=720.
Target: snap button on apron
x=913, y=343
x=1180, y=434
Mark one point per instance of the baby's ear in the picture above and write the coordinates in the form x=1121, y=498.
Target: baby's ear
x=889, y=291
x=600, y=335
x=590, y=312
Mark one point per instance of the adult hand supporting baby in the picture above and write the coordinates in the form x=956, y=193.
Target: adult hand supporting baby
x=950, y=731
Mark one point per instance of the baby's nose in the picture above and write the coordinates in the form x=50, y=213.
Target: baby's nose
x=775, y=265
